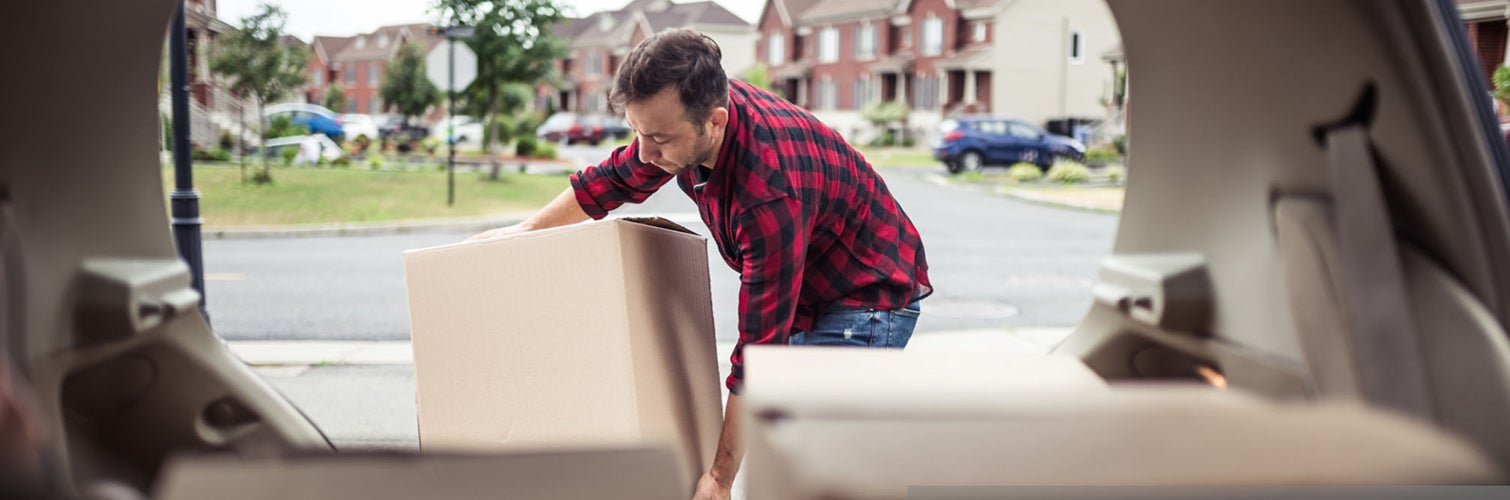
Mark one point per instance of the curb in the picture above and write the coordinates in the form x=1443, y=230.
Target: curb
x=1006, y=192
x=475, y=224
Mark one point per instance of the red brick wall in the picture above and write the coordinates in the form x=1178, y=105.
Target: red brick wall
x=848, y=69
x=1488, y=39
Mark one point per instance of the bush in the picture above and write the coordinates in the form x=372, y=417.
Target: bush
x=1102, y=155
x=344, y=161
x=546, y=151
x=227, y=142
x=283, y=126
x=1069, y=173
x=1115, y=173
x=1120, y=142
x=1025, y=172
x=287, y=155
x=525, y=146
x=376, y=162
x=217, y=154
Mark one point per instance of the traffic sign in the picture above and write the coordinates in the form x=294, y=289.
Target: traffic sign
x=437, y=66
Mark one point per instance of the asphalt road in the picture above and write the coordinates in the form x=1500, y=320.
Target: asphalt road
x=995, y=263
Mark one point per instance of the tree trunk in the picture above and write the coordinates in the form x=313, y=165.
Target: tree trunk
x=267, y=176
x=493, y=138
x=241, y=140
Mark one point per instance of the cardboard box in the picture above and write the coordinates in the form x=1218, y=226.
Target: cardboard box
x=590, y=335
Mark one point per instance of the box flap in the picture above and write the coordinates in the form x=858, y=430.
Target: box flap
x=660, y=222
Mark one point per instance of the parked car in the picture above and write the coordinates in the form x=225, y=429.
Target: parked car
x=327, y=148
x=615, y=128
x=468, y=133
x=319, y=119
x=394, y=127
x=973, y=142
x=354, y=126
x=574, y=128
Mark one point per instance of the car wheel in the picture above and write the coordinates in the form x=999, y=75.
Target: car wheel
x=952, y=167
x=970, y=162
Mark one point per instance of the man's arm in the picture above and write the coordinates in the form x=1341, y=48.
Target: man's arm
x=718, y=481
x=563, y=210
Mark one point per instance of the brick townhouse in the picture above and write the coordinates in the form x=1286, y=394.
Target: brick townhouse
x=1032, y=59
x=357, y=64
x=599, y=42
x=1487, y=32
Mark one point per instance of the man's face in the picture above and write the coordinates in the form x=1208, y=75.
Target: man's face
x=667, y=139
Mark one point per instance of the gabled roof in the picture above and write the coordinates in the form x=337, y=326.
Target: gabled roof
x=654, y=16
x=382, y=44
x=844, y=10
x=326, y=47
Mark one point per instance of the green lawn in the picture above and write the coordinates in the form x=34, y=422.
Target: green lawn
x=324, y=195
x=899, y=157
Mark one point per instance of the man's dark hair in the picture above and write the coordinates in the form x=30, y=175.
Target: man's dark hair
x=683, y=59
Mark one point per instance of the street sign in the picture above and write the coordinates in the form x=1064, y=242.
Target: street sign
x=437, y=66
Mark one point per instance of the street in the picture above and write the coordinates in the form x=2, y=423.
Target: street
x=996, y=264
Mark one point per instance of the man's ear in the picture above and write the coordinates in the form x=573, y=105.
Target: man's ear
x=719, y=118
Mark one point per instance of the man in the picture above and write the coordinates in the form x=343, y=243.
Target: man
x=825, y=254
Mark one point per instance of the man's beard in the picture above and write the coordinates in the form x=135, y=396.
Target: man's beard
x=703, y=153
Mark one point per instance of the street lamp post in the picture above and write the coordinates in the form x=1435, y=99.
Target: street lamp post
x=185, y=199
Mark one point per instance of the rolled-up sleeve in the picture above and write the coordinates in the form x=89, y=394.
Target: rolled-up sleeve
x=617, y=180
x=772, y=243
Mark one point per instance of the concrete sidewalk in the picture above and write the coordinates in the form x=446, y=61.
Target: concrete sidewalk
x=273, y=353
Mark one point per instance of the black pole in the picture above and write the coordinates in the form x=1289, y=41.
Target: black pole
x=185, y=198
x=451, y=122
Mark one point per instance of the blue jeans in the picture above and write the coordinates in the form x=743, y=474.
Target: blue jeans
x=861, y=328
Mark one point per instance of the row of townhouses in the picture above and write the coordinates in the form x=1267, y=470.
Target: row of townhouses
x=1038, y=60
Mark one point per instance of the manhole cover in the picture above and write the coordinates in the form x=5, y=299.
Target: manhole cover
x=969, y=309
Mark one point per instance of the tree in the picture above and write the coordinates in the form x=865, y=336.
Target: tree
x=405, y=86
x=260, y=66
x=758, y=75
x=514, y=44
x=1502, y=84
x=335, y=98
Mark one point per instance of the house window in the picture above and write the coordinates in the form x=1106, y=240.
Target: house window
x=864, y=89
x=593, y=64
x=933, y=36
x=865, y=41
x=776, y=50
x=374, y=73
x=828, y=95
x=376, y=107
x=906, y=37
x=351, y=105
x=1077, y=48
x=828, y=45
x=351, y=76
x=926, y=93
x=319, y=78
x=978, y=32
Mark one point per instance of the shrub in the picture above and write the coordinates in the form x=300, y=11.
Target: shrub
x=1115, y=173
x=217, y=154
x=1102, y=155
x=525, y=146
x=283, y=126
x=1025, y=172
x=1069, y=173
x=227, y=142
x=1120, y=142
x=376, y=162
x=287, y=155
x=344, y=161
x=547, y=151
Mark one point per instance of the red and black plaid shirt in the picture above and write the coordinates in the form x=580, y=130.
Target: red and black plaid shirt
x=794, y=209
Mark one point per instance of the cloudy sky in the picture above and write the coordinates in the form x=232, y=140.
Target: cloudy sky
x=307, y=18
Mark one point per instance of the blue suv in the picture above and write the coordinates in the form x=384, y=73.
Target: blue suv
x=972, y=142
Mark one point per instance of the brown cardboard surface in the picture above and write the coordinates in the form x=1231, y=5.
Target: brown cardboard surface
x=596, y=334
x=862, y=424
x=640, y=474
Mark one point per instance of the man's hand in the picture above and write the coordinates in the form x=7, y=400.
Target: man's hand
x=501, y=232
x=709, y=488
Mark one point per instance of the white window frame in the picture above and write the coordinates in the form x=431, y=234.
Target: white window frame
x=932, y=45
x=861, y=40
x=776, y=49
x=828, y=45
x=1076, y=47
x=978, y=31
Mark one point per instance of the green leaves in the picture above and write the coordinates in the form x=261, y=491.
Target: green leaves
x=405, y=85
x=256, y=62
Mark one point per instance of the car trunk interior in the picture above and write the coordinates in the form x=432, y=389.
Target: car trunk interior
x=1230, y=264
